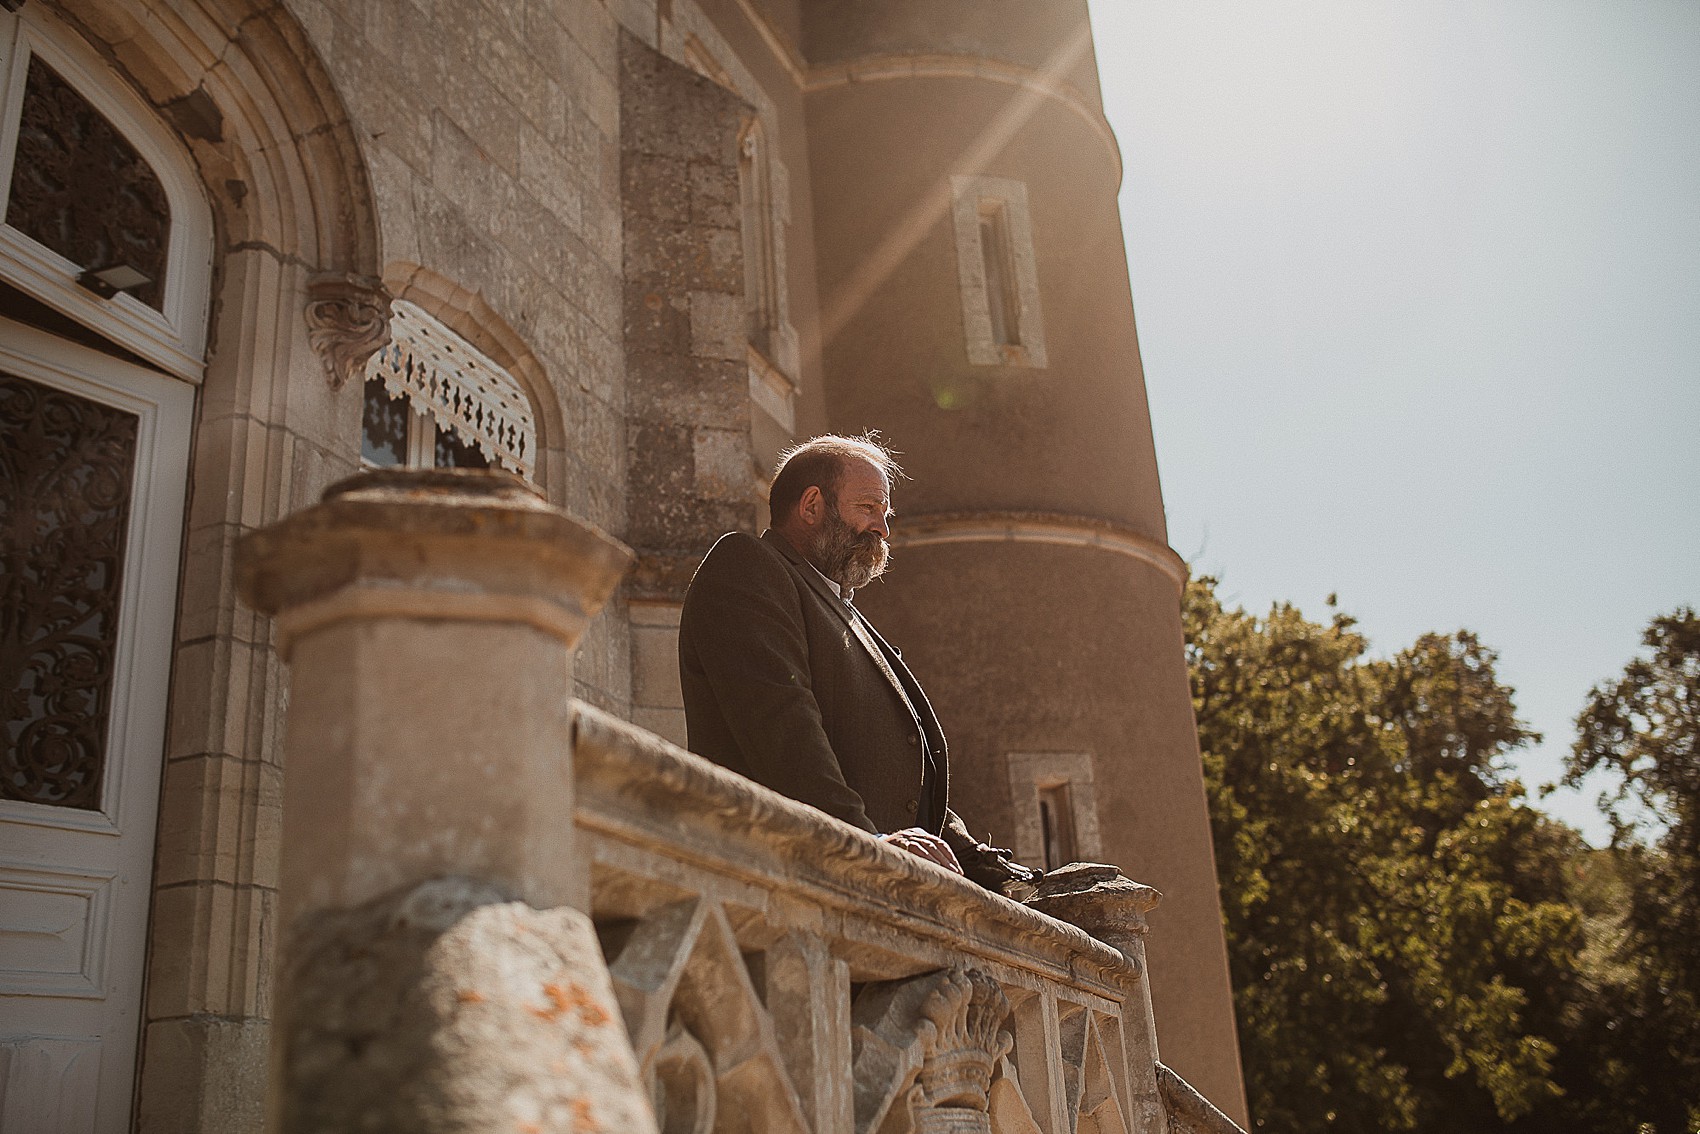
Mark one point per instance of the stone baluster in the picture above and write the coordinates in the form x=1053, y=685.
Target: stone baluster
x=1112, y=907
x=436, y=973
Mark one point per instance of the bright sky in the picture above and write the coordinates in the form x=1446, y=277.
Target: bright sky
x=1418, y=290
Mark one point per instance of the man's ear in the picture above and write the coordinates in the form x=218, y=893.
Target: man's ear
x=812, y=506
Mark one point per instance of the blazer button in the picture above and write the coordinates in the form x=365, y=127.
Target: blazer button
x=911, y=807
x=914, y=740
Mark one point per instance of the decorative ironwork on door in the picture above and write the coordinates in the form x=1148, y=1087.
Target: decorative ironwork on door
x=65, y=473
x=82, y=190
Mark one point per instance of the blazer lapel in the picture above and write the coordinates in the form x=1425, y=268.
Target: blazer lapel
x=843, y=610
x=908, y=692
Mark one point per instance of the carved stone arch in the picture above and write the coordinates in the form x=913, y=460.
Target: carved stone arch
x=243, y=85
x=469, y=315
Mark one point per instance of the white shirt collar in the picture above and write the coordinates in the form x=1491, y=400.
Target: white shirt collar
x=844, y=596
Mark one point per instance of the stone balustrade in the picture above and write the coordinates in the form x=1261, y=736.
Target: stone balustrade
x=463, y=837
x=830, y=982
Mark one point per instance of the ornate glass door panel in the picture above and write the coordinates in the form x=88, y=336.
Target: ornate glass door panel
x=93, y=458
x=65, y=465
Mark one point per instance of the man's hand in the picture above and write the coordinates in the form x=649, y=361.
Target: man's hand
x=927, y=846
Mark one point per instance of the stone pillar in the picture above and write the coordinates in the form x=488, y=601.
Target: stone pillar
x=428, y=619
x=1112, y=907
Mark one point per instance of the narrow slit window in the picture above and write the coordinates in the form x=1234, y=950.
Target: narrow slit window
x=1056, y=824
x=997, y=271
x=1003, y=295
x=1055, y=808
x=760, y=291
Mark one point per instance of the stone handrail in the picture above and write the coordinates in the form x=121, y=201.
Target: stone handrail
x=1189, y=1111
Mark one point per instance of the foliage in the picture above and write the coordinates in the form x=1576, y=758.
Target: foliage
x=1643, y=732
x=1412, y=947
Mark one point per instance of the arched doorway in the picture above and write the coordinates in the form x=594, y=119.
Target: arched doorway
x=105, y=254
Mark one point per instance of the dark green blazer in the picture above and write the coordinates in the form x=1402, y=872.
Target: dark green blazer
x=787, y=685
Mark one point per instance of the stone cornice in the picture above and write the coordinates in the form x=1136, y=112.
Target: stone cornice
x=875, y=68
x=1040, y=527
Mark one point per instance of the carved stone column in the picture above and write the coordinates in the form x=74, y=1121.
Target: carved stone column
x=428, y=619
x=1111, y=907
x=930, y=1043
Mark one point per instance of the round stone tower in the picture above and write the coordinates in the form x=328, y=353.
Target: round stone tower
x=976, y=310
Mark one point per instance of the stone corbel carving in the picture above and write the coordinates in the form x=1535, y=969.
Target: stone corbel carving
x=348, y=321
x=931, y=1042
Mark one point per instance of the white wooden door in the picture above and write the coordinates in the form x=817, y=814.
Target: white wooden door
x=93, y=460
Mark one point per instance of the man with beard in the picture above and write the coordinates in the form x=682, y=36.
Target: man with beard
x=785, y=682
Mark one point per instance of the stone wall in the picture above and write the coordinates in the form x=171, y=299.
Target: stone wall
x=490, y=131
x=690, y=476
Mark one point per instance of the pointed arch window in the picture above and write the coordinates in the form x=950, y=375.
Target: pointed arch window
x=101, y=215
x=433, y=400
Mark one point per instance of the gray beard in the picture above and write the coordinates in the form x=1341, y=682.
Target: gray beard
x=848, y=559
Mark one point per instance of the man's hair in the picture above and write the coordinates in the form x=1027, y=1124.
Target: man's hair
x=821, y=461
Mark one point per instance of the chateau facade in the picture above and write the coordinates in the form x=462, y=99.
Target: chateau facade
x=626, y=251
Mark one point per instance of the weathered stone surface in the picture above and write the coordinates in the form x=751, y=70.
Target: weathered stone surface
x=449, y=1009
x=1101, y=900
x=447, y=530
x=204, y=1073
x=943, y=1033
x=430, y=617
x=1189, y=1111
x=690, y=473
x=657, y=794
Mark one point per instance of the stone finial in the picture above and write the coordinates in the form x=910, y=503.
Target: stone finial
x=348, y=320
x=1100, y=900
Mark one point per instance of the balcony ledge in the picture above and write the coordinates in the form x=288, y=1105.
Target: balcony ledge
x=636, y=789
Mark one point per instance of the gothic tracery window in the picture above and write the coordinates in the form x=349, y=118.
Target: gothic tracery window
x=433, y=400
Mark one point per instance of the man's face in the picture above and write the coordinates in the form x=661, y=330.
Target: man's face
x=850, y=546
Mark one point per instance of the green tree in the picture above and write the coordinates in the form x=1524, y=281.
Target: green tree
x=1643, y=732
x=1401, y=942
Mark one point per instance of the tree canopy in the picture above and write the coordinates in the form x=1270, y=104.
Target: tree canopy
x=1412, y=945
x=1642, y=731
